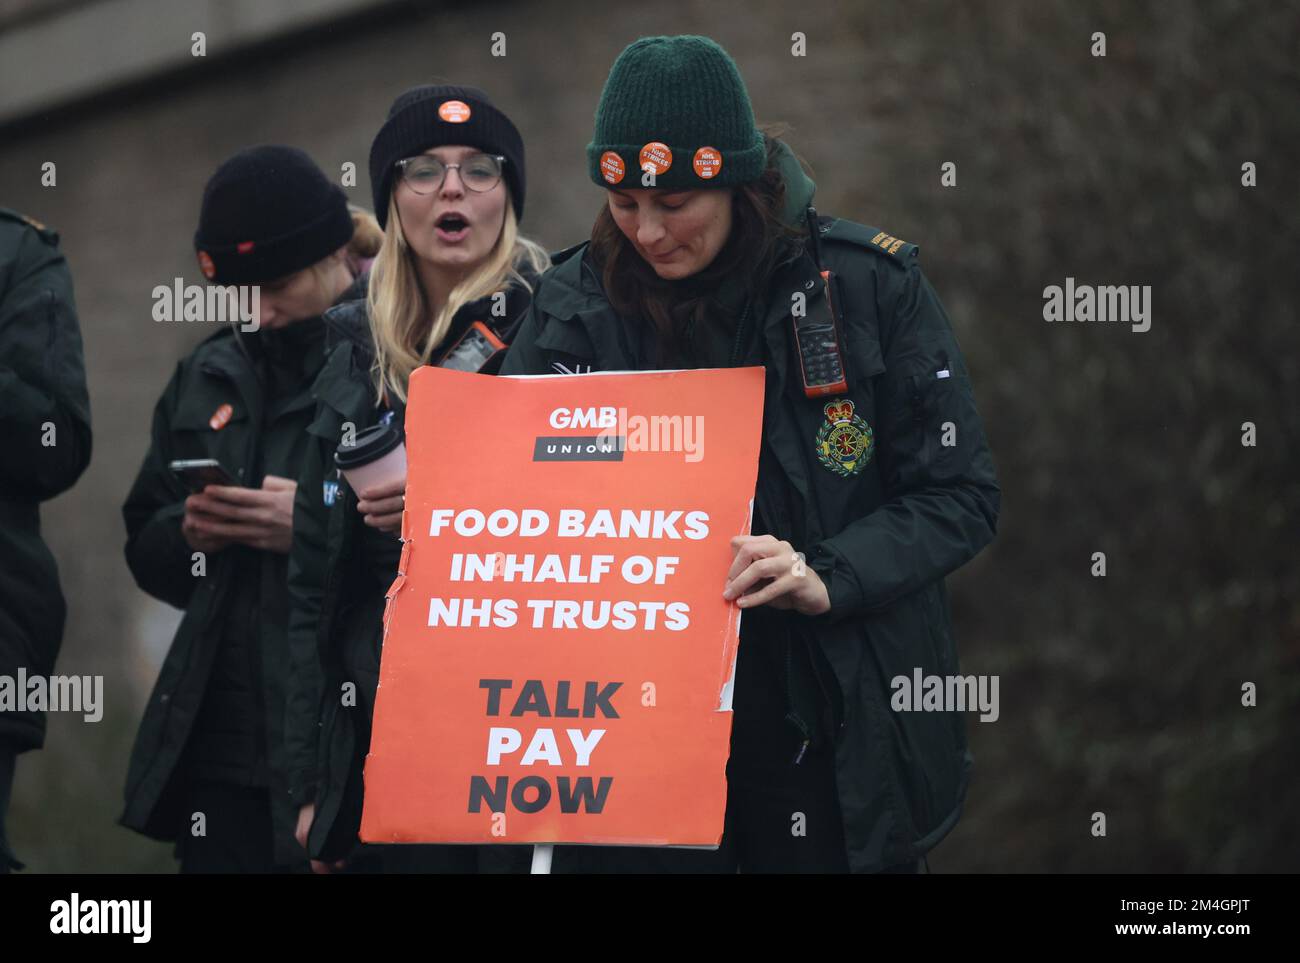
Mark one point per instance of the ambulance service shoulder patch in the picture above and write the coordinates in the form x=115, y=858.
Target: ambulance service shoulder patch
x=845, y=442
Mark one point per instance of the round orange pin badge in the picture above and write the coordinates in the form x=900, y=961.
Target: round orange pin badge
x=206, y=266
x=454, y=111
x=220, y=417
x=611, y=167
x=708, y=163
x=656, y=157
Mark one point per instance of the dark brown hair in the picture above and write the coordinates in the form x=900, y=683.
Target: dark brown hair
x=759, y=240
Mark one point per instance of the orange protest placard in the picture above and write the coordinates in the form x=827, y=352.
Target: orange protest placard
x=558, y=656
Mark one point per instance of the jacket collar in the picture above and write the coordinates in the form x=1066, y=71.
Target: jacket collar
x=229, y=359
x=345, y=383
x=573, y=293
x=799, y=187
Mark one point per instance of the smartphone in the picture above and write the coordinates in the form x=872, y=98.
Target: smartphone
x=198, y=472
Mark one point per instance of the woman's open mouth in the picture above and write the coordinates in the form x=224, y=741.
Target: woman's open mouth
x=451, y=228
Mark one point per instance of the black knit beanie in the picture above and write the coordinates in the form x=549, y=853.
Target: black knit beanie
x=678, y=106
x=267, y=212
x=438, y=114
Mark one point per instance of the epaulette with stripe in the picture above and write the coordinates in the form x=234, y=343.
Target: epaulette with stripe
x=48, y=235
x=881, y=242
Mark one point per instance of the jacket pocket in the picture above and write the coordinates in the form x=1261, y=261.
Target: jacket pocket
x=939, y=627
x=864, y=361
x=203, y=427
x=361, y=638
x=564, y=341
x=937, y=423
x=924, y=756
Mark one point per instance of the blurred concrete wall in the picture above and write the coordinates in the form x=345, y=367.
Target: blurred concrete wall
x=54, y=54
x=1121, y=170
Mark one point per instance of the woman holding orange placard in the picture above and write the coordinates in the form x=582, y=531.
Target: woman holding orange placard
x=875, y=480
x=449, y=287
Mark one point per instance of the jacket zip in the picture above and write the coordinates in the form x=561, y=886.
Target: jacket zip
x=790, y=714
x=218, y=591
x=741, y=327
x=632, y=358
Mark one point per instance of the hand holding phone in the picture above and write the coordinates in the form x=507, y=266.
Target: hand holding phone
x=260, y=518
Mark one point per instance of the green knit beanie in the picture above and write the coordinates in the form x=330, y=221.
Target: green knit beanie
x=677, y=104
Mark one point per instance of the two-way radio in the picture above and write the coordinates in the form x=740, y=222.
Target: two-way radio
x=473, y=350
x=818, y=336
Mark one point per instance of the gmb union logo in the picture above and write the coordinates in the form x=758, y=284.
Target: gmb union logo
x=604, y=446
x=845, y=442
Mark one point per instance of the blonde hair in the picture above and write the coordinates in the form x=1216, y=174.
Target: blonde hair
x=398, y=308
x=367, y=237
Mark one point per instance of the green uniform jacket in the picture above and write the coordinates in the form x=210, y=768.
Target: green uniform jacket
x=220, y=371
x=882, y=538
x=45, y=424
x=336, y=618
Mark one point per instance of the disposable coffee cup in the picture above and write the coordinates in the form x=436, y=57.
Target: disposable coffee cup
x=376, y=456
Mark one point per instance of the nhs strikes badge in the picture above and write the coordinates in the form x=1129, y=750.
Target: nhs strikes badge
x=331, y=493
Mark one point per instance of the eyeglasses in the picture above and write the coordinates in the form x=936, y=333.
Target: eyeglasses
x=425, y=174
